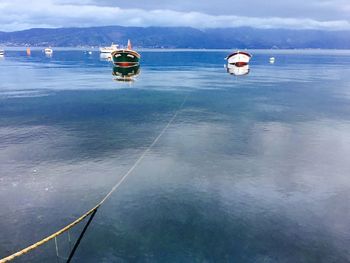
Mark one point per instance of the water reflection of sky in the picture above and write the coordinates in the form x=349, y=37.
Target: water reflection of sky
x=253, y=169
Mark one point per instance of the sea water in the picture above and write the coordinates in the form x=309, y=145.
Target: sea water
x=252, y=169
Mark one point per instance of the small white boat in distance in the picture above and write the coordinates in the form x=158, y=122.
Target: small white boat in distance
x=106, y=56
x=110, y=49
x=272, y=60
x=239, y=58
x=48, y=51
x=2, y=53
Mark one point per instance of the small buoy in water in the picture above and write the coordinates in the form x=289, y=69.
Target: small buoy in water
x=90, y=52
x=28, y=51
x=272, y=60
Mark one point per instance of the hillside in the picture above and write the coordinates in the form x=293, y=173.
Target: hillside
x=179, y=37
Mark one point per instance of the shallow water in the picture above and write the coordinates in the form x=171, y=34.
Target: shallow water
x=253, y=169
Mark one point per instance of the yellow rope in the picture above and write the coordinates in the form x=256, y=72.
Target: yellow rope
x=61, y=231
x=43, y=241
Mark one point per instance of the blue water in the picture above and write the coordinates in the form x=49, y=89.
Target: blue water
x=253, y=169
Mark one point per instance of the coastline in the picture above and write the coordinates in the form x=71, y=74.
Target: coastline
x=257, y=51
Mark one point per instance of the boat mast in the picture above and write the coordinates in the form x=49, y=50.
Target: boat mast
x=129, y=45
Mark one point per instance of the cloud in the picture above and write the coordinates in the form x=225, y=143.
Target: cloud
x=314, y=9
x=15, y=15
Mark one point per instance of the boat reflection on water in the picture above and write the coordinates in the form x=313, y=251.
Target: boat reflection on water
x=126, y=73
x=237, y=70
x=105, y=57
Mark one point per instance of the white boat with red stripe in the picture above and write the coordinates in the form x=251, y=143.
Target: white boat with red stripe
x=239, y=58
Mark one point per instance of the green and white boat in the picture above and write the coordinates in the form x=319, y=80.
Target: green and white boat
x=126, y=57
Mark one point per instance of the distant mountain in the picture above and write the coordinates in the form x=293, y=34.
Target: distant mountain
x=179, y=37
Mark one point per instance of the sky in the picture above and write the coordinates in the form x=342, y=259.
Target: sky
x=292, y=14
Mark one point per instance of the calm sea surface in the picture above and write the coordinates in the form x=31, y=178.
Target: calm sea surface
x=253, y=169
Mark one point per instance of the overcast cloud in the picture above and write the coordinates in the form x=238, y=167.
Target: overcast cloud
x=296, y=14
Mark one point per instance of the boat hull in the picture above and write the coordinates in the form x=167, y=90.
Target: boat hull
x=125, y=58
x=48, y=51
x=239, y=58
x=109, y=50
